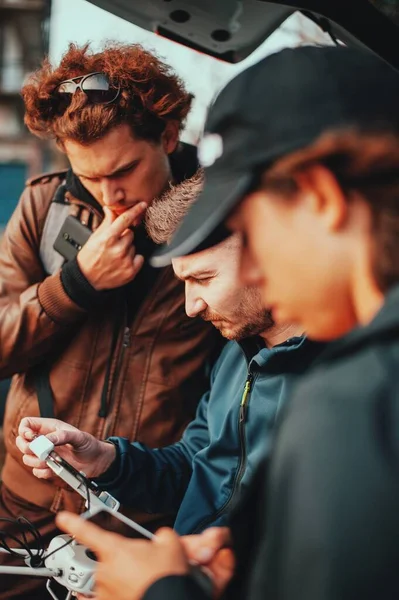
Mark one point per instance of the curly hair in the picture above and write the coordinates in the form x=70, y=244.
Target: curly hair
x=151, y=95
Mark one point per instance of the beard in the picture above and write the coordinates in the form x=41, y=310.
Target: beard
x=165, y=214
x=239, y=331
x=248, y=320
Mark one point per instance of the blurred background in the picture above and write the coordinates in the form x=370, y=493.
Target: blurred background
x=31, y=29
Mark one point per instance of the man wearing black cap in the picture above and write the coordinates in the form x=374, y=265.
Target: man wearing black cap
x=310, y=138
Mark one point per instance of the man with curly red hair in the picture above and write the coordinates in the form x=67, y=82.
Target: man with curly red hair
x=101, y=340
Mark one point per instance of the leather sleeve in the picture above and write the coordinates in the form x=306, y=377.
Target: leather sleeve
x=35, y=310
x=79, y=289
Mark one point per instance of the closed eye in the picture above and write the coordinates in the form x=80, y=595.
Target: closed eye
x=82, y=178
x=126, y=170
x=202, y=280
x=117, y=174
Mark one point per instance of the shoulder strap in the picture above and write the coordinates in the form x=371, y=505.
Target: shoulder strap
x=41, y=378
x=56, y=215
x=52, y=262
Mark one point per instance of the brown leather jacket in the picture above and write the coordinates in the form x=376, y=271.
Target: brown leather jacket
x=157, y=371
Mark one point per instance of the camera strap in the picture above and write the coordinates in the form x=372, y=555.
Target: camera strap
x=41, y=377
x=56, y=215
x=52, y=262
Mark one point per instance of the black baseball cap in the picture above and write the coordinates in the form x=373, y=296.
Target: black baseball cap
x=279, y=105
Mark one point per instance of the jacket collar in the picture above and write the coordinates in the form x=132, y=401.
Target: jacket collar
x=293, y=355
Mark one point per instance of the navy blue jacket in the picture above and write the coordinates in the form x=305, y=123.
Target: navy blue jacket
x=202, y=475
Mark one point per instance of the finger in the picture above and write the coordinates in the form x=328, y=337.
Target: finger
x=95, y=222
x=226, y=559
x=85, y=217
x=138, y=219
x=28, y=427
x=127, y=219
x=218, y=536
x=74, y=210
x=60, y=437
x=127, y=233
x=33, y=462
x=138, y=262
x=172, y=546
x=89, y=534
x=202, y=555
x=31, y=427
x=109, y=217
x=168, y=537
x=123, y=242
x=127, y=237
x=43, y=473
x=222, y=568
x=23, y=445
x=203, y=548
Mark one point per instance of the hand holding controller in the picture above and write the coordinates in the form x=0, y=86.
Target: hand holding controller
x=81, y=450
x=95, y=498
x=123, y=555
x=127, y=567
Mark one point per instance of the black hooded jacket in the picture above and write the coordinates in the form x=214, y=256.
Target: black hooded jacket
x=321, y=522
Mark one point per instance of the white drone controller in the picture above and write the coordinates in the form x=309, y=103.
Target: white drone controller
x=72, y=566
x=69, y=563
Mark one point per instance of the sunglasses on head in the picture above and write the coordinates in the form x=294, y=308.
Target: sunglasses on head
x=96, y=86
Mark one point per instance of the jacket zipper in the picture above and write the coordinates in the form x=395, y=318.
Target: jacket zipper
x=126, y=342
x=126, y=332
x=244, y=399
x=243, y=454
x=241, y=431
x=111, y=396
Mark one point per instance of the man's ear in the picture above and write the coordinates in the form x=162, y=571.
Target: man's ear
x=320, y=187
x=170, y=137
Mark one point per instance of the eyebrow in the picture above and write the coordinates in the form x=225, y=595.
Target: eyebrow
x=196, y=274
x=120, y=169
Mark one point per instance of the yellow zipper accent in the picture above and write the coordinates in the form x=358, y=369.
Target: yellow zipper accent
x=245, y=393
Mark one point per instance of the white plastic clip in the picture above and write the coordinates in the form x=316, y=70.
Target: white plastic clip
x=41, y=447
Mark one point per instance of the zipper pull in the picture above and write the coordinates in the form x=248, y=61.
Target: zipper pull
x=126, y=338
x=244, y=398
